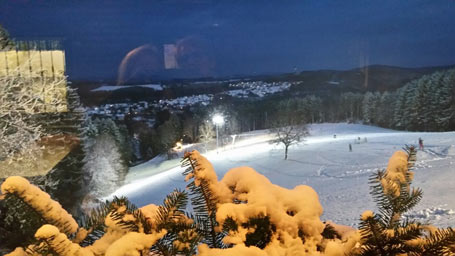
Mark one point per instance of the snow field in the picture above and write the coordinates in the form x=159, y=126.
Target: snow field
x=323, y=162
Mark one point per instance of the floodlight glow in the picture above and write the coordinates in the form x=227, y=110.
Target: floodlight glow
x=218, y=119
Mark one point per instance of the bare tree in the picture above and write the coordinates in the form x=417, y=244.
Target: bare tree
x=206, y=133
x=289, y=127
x=22, y=97
x=289, y=135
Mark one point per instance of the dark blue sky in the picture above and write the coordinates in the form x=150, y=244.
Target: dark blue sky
x=241, y=37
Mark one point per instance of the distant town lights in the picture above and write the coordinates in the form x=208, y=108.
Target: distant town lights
x=218, y=119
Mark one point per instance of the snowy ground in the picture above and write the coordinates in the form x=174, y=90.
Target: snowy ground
x=323, y=162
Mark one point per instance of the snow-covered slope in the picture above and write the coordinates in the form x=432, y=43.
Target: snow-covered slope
x=323, y=162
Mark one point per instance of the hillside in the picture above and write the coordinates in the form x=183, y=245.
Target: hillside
x=370, y=78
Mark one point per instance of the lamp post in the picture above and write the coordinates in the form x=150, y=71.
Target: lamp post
x=217, y=120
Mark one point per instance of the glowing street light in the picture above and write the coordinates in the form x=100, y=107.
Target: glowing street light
x=218, y=120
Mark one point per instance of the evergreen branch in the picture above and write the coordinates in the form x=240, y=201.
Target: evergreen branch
x=329, y=232
x=386, y=234
x=372, y=235
x=230, y=225
x=203, y=202
x=172, y=209
x=441, y=242
x=139, y=222
x=23, y=218
x=95, y=221
x=96, y=217
x=397, y=241
x=412, y=156
x=263, y=231
x=182, y=236
x=391, y=207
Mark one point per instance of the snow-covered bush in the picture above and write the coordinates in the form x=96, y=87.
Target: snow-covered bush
x=245, y=214
x=28, y=208
x=117, y=227
x=241, y=214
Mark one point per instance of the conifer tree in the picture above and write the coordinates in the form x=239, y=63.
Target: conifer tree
x=444, y=103
x=386, y=233
x=370, y=107
x=385, y=110
x=398, y=108
x=408, y=113
x=427, y=103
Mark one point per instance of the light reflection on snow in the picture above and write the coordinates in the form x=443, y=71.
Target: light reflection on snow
x=251, y=143
x=340, y=177
x=130, y=188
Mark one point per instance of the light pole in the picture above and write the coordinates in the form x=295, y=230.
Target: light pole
x=217, y=120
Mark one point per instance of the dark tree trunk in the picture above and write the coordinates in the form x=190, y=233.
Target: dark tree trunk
x=286, y=152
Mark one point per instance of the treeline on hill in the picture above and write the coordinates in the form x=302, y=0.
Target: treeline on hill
x=425, y=104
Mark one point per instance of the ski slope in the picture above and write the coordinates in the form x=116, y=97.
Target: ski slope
x=323, y=162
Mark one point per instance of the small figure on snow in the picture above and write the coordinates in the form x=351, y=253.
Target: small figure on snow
x=334, y=136
x=350, y=147
x=420, y=144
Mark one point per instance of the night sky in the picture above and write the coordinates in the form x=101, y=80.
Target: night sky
x=226, y=38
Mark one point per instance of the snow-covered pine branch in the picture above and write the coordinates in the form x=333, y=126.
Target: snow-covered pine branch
x=204, y=194
x=134, y=243
x=57, y=242
x=386, y=233
x=255, y=214
x=51, y=211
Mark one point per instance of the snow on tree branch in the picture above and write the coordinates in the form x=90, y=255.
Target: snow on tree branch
x=59, y=243
x=50, y=210
x=21, y=97
x=134, y=244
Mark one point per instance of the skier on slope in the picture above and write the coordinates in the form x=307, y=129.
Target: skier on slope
x=420, y=144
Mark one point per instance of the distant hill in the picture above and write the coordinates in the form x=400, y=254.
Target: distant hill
x=370, y=78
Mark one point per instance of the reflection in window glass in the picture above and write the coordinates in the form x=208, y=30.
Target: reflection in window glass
x=205, y=127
